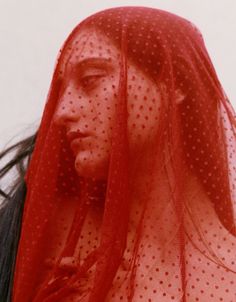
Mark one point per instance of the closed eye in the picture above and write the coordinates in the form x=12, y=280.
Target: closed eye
x=88, y=81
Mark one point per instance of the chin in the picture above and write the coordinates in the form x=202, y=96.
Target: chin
x=90, y=166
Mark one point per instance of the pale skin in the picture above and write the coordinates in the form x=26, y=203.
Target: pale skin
x=91, y=108
x=88, y=103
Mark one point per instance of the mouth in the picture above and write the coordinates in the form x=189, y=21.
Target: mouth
x=77, y=143
x=75, y=138
x=72, y=135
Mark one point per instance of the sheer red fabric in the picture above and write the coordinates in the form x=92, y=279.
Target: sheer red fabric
x=131, y=184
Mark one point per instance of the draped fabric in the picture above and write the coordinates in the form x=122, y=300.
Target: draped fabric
x=131, y=184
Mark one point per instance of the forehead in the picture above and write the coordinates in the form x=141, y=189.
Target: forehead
x=90, y=43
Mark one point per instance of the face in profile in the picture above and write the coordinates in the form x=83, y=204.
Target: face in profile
x=89, y=98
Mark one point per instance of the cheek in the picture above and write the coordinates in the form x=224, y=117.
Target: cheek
x=143, y=109
x=106, y=107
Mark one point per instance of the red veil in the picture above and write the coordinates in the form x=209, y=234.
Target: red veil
x=131, y=184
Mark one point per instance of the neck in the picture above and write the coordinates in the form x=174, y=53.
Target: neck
x=151, y=191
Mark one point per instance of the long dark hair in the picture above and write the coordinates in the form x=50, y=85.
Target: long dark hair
x=11, y=209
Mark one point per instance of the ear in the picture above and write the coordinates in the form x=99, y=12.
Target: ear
x=179, y=96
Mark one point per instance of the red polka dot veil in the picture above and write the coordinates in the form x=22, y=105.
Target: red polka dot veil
x=131, y=184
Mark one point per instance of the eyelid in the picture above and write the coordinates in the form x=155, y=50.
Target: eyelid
x=90, y=77
x=93, y=72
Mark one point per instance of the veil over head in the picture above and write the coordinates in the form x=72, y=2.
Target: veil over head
x=131, y=184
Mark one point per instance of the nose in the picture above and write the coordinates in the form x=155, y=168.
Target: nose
x=65, y=111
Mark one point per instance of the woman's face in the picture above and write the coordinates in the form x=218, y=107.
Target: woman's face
x=89, y=98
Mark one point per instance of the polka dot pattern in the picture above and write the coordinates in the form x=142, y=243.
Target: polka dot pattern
x=130, y=188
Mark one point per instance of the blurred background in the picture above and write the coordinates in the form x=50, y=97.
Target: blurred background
x=32, y=33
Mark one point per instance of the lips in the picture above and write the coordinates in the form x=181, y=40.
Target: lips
x=75, y=138
x=72, y=135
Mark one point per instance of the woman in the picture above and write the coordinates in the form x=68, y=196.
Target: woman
x=130, y=193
